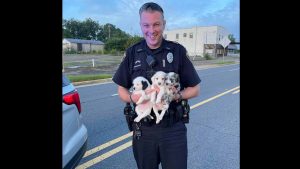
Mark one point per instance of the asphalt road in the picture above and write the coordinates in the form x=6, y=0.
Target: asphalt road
x=213, y=131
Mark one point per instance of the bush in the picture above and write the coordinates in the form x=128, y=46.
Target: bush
x=70, y=51
x=207, y=56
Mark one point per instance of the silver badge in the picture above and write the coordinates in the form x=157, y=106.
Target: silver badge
x=170, y=57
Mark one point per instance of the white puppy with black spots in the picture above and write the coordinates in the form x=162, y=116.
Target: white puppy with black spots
x=143, y=105
x=159, y=95
x=172, y=85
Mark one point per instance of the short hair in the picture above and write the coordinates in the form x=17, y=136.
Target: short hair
x=151, y=6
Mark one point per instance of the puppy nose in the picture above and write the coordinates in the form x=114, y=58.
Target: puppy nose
x=159, y=83
x=133, y=88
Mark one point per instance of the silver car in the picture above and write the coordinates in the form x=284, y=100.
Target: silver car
x=74, y=131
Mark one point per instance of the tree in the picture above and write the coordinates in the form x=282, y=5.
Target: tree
x=90, y=29
x=132, y=40
x=76, y=29
x=231, y=38
x=109, y=31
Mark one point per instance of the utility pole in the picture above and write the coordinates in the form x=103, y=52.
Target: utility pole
x=108, y=31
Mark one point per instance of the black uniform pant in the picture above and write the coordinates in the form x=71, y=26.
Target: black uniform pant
x=165, y=145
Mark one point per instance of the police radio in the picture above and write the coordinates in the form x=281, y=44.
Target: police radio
x=129, y=115
x=186, y=111
x=151, y=63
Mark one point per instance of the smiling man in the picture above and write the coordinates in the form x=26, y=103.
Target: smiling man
x=165, y=142
x=152, y=24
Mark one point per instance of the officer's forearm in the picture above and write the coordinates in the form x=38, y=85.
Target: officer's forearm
x=190, y=92
x=124, y=94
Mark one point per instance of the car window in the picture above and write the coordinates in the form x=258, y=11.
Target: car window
x=65, y=81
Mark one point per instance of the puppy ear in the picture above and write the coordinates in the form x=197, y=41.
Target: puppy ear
x=177, y=77
x=145, y=85
x=152, y=79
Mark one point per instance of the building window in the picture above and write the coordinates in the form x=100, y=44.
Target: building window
x=177, y=36
x=191, y=35
x=184, y=34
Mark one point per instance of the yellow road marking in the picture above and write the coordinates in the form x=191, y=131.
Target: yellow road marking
x=128, y=144
x=103, y=146
x=104, y=156
x=212, y=98
x=236, y=92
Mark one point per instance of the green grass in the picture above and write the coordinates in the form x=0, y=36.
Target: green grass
x=225, y=62
x=79, y=78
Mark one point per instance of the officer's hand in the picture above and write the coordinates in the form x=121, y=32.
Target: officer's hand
x=177, y=97
x=149, y=90
x=135, y=97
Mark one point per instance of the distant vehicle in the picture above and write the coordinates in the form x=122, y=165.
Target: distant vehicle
x=74, y=131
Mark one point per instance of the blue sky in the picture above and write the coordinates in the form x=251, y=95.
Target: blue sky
x=178, y=13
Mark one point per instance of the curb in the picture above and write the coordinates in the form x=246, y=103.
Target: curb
x=198, y=67
x=92, y=82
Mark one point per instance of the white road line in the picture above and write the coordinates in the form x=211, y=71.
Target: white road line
x=95, y=84
x=234, y=69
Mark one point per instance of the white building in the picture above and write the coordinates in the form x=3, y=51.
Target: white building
x=80, y=45
x=199, y=40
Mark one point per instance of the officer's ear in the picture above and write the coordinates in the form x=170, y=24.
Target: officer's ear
x=164, y=23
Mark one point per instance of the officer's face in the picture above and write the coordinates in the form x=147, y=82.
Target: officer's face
x=152, y=25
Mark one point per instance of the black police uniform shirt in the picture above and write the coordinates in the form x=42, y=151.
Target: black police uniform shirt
x=134, y=64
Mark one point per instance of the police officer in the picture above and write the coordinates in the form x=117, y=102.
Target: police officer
x=165, y=142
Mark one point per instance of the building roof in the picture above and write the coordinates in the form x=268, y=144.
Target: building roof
x=232, y=46
x=95, y=42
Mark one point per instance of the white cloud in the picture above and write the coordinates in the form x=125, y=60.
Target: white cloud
x=178, y=14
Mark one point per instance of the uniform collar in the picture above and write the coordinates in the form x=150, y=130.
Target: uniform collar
x=162, y=46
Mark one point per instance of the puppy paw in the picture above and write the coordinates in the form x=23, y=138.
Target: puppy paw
x=137, y=119
x=152, y=100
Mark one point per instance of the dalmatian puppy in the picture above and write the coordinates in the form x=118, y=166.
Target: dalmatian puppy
x=158, y=85
x=159, y=97
x=143, y=105
x=172, y=85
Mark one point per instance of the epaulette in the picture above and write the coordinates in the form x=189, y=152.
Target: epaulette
x=168, y=48
x=139, y=50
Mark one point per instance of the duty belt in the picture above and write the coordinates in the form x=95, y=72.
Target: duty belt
x=169, y=119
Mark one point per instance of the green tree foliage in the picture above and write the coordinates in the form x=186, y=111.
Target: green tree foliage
x=115, y=43
x=76, y=29
x=132, y=40
x=113, y=37
x=110, y=31
x=121, y=44
x=231, y=38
